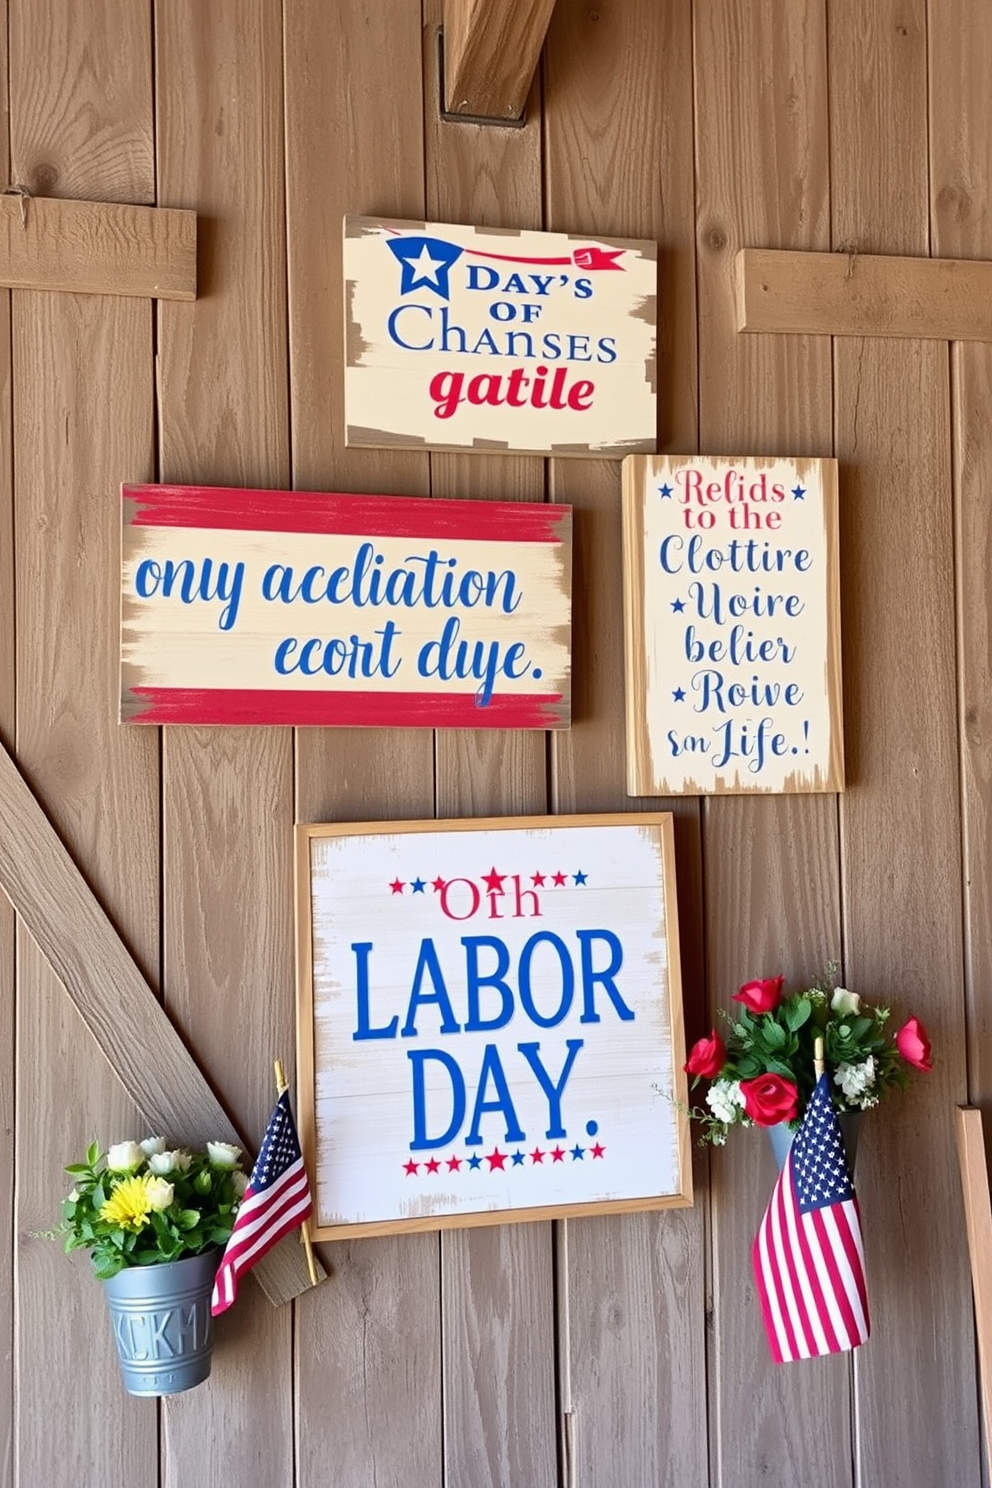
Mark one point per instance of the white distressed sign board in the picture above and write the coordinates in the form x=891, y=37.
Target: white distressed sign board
x=495, y=340
x=490, y=1021
x=732, y=625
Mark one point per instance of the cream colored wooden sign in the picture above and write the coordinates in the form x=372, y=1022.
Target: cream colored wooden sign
x=732, y=624
x=471, y=339
x=490, y=1021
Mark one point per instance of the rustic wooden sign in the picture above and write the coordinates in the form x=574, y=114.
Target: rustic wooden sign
x=287, y=607
x=732, y=621
x=464, y=338
x=490, y=1022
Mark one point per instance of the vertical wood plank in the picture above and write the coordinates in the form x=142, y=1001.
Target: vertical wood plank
x=368, y=1342
x=75, y=358
x=7, y=922
x=903, y=938
x=228, y=793
x=497, y=1282
x=772, y=892
x=960, y=57
x=618, y=118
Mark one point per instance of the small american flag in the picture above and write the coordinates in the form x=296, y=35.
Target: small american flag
x=276, y=1201
x=808, y=1257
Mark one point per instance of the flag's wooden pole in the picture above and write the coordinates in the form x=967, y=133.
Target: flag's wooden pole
x=818, y=1065
x=281, y=1085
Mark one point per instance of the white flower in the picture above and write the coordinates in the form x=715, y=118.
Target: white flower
x=164, y=1163
x=152, y=1145
x=855, y=1079
x=848, y=1004
x=239, y=1182
x=223, y=1155
x=725, y=1100
x=124, y=1157
x=159, y=1193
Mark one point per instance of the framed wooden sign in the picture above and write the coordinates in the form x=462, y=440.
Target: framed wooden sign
x=490, y=1021
x=732, y=625
x=287, y=607
x=471, y=339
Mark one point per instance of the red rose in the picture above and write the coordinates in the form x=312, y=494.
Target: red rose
x=914, y=1045
x=707, y=1057
x=769, y=1099
x=761, y=996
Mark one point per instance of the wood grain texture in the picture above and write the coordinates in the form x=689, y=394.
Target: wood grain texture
x=892, y=401
x=367, y=1361
x=97, y=248
x=8, y=930
x=606, y=70
x=960, y=55
x=861, y=294
x=974, y=1172
x=81, y=115
x=228, y=794
x=771, y=891
x=497, y=1284
x=491, y=51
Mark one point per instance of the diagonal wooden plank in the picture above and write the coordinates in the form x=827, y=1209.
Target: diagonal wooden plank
x=82, y=947
x=491, y=52
x=978, y=1218
x=863, y=294
x=97, y=248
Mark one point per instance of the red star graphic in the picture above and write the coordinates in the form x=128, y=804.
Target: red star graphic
x=410, y=1168
x=558, y=1154
x=454, y=1163
x=493, y=881
x=496, y=1159
x=598, y=1150
x=437, y=884
x=432, y=1166
x=397, y=886
x=558, y=879
x=537, y=1155
x=537, y=879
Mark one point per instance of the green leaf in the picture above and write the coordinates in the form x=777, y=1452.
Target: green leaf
x=188, y=1219
x=774, y=1036
x=797, y=1013
x=92, y=1153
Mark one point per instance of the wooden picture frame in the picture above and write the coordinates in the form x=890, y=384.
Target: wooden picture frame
x=732, y=625
x=973, y=1163
x=490, y=1021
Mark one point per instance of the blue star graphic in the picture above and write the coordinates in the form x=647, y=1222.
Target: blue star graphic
x=518, y=1159
x=665, y=492
x=580, y=877
x=417, y=885
x=799, y=492
x=578, y=1153
x=678, y=605
x=475, y=1161
x=679, y=695
x=424, y=261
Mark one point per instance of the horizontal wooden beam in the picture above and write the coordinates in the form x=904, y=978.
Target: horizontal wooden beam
x=860, y=294
x=131, y=1028
x=491, y=50
x=97, y=248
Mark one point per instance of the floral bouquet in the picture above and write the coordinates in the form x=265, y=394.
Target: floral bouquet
x=142, y=1204
x=764, y=1073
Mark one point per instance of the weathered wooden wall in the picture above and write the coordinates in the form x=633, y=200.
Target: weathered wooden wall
x=613, y=1353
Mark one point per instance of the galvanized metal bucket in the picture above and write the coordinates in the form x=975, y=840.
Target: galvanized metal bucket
x=162, y=1324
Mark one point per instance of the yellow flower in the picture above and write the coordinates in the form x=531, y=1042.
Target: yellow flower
x=129, y=1204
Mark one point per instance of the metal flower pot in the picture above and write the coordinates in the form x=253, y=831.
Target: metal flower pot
x=162, y=1324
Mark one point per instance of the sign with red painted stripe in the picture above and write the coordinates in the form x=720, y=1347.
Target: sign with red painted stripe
x=497, y=340
x=291, y=607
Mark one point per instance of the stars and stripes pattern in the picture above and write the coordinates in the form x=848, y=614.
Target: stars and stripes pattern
x=276, y=1201
x=808, y=1256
